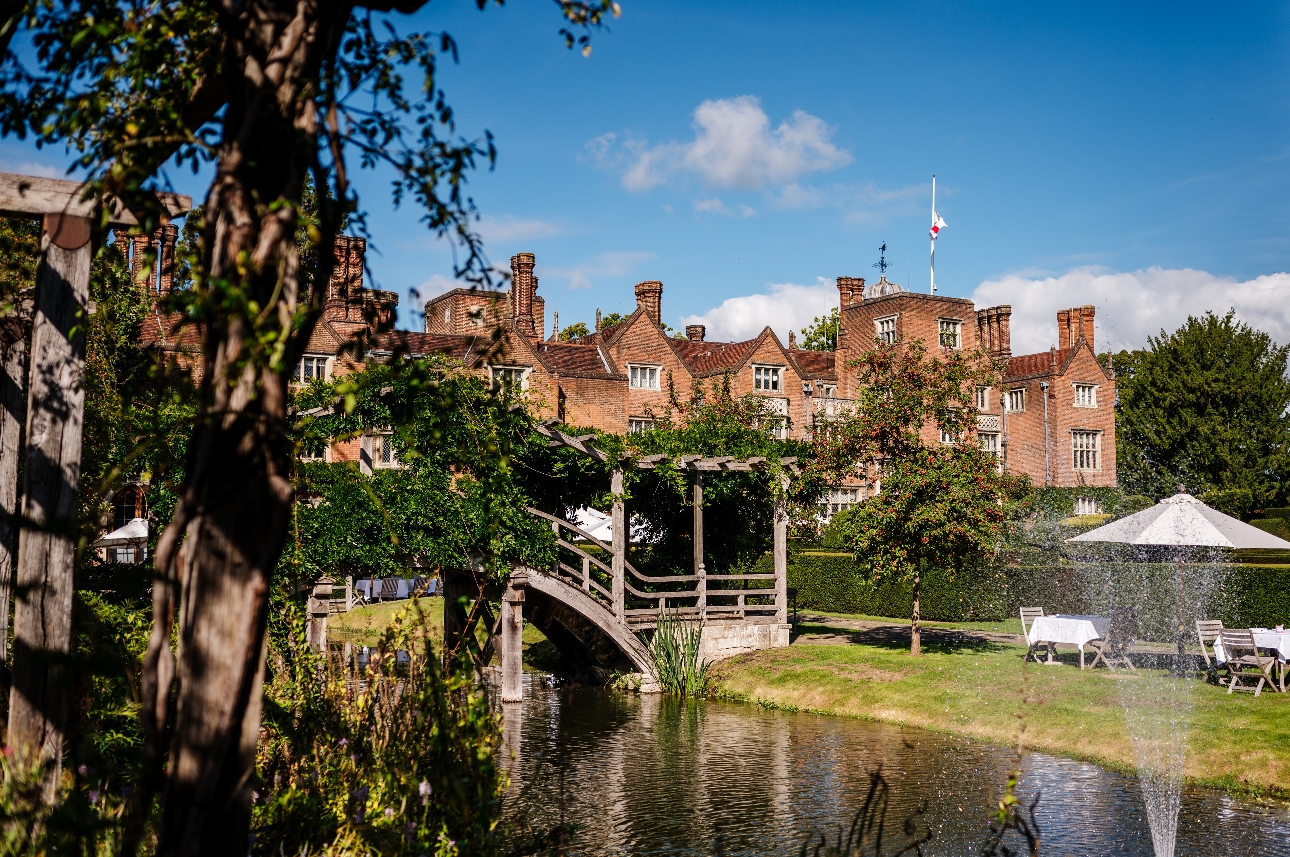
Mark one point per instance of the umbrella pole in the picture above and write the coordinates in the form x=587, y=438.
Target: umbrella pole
x=1180, y=667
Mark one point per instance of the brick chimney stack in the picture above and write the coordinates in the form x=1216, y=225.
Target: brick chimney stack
x=1073, y=323
x=993, y=330
x=649, y=297
x=850, y=290
x=144, y=263
x=523, y=286
x=792, y=339
x=695, y=332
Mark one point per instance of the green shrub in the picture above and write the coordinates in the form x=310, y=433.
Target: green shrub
x=1279, y=527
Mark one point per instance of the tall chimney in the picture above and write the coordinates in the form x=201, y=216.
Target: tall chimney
x=695, y=332
x=539, y=312
x=1086, y=325
x=792, y=339
x=993, y=331
x=850, y=290
x=597, y=320
x=1064, y=328
x=649, y=297
x=523, y=286
x=555, y=326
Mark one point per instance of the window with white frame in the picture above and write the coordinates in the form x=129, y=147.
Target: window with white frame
x=318, y=454
x=636, y=425
x=766, y=378
x=948, y=436
x=1015, y=401
x=989, y=441
x=383, y=452
x=644, y=377
x=885, y=329
x=1087, y=506
x=1086, y=395
x=983, y=398
x=839, y=499
x=951, y=331
x=312, y=367
x=1084, y=447
x=447, y=315
x=511, y=378
x=828, y=391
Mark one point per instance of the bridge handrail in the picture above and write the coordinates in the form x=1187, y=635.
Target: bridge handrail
x=647, y=578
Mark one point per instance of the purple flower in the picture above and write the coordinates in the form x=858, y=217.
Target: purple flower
x=94, y=798
x=255, y=797
x=83, y=770
x=389, y=812
x=344, y=742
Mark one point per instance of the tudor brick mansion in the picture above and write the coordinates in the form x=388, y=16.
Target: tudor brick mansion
x=1052, y=418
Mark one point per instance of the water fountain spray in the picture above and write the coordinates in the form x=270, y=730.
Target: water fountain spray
x=1156, y=710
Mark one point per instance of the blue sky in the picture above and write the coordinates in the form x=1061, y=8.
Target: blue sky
x=1131, y=156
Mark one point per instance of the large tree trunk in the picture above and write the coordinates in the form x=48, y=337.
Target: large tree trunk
x=42, y=626
x=235, y=508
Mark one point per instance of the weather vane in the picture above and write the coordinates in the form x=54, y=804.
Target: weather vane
x=882, y=264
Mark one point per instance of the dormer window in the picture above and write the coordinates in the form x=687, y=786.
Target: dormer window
x=312, y=367
x=766, y=379
x=510, y=378
x=644, y=377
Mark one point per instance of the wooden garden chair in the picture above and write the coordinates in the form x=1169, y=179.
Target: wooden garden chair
x=1119, y=640
x=1208, y=630
x=390, y=588
x=1028, y=617
x=1244, y=661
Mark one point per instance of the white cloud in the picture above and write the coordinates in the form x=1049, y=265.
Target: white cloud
x=1133, y=306
x=716, y=206
x=508, y=227
x=734, y=146
x=437, y=285
x=788, y=306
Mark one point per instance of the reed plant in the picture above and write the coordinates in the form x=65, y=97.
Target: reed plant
x=674, y=651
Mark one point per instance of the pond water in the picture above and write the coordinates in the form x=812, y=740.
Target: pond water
x=653, y=775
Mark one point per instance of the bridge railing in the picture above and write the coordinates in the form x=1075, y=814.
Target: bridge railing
x=644, y=596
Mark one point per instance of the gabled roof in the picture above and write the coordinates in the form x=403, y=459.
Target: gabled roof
x=713, y=358
x=584, y=361
x=1031, y=365
x=816, y=364
x=462, y=347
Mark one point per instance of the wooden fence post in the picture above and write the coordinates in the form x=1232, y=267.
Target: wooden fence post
x=11, y=410
x=781, y=552
x=699, y=569
x=619, y=522
x=47, y=547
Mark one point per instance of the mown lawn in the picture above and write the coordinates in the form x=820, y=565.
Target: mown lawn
x=981, y=689
x=364, y=625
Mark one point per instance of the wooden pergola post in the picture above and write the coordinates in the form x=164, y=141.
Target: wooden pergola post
x=699, y=570
x=619, y=523
x=42, y=623
x=781, y=551
x=11, y=418
x=512, y=622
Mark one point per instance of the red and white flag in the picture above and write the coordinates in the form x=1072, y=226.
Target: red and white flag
x=938, y=223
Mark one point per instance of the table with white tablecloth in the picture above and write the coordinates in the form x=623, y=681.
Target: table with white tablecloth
x=1075, y=630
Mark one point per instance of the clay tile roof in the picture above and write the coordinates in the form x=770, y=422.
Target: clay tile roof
x=1035, y=364
x=706, y=358
x=168, y=332
x=453, y=345
x=569, y=358
x=816, y=364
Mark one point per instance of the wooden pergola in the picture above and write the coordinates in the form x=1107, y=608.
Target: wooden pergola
x=697, y=465
x=54, y=406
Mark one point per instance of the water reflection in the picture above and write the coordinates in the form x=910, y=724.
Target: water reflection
x=651, y=775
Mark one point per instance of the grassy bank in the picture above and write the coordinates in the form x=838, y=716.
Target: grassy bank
x=363, y=626
x=980, y=689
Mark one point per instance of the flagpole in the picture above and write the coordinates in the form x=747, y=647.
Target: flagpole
x=933, y=264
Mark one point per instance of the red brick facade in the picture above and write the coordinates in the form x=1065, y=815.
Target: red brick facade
x=1059, y=428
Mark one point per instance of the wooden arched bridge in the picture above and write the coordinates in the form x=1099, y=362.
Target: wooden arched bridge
x=593, y=604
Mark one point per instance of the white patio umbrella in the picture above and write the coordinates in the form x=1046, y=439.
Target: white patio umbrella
x=1182, y=521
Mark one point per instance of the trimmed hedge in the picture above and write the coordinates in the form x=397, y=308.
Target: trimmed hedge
x=1240, y=595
